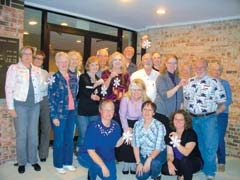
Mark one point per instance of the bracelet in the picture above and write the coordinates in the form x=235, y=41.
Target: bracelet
x=137, y=163
x=150, y=157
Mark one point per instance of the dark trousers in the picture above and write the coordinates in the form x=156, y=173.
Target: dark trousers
x=165, y=121
x=125, y=151
x=186, y=167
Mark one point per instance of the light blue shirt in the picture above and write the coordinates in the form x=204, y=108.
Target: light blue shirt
x=228, y=92
x=150, y=139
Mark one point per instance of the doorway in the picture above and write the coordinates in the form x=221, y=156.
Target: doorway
x=87, y=43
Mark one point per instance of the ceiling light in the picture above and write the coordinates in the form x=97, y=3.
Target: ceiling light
x=64, y=24
x=125, y=1
x=78, y=41
x=161, y=11
x=26, y=33
x=32, y=23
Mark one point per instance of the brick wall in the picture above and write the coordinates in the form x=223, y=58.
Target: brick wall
x=11, y=26
x=7, y=135
x=215, y=41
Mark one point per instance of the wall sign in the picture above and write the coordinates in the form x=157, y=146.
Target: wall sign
x=9, y=48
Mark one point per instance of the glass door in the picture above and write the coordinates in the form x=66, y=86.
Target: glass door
x=97, y=43
x=63, y=42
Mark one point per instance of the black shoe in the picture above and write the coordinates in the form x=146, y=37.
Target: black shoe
x=21, y=169
x=125, y=172
x=132, y=172
x=88, y=176
x=157, y=178
x=43, y=160
x=36, y=167
x=15, y=164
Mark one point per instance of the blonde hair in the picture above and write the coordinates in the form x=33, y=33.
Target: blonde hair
x=61, y=54
x=102, y=51
x=139, y=83
x=79, y=57
x=163, y=68
x=110, y=62
x=90, y=60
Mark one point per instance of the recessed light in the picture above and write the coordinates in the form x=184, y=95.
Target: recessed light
x=26, y=33
x=64, y=24
x=161, y=11
x=125, y=1
x=32, y=23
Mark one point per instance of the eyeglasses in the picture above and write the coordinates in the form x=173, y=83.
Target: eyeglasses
x=136, y=89
x=38, y=58
x=172, y=63
x=117, y=59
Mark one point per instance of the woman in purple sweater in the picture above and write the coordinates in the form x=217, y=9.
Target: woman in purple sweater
x=130, y=112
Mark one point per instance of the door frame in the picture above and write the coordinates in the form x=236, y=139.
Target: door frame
x=88, y=35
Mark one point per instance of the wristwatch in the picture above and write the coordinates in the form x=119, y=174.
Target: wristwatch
x=137, y=163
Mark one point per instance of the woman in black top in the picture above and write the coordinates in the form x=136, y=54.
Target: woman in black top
x=88, y=97
x=183, y=155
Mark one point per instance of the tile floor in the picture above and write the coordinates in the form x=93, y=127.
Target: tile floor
x=9, y=172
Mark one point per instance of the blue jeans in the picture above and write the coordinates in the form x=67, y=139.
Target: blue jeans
x=95, y=170
x=63, y=141
x=82, y=124
x=155, y=167
x=222, y=127
x=206, y=128
x=26, y=128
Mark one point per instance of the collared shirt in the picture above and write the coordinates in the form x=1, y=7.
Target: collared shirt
x=149, y=80
x=203, y=95
x=129, y=109
x=150, y=139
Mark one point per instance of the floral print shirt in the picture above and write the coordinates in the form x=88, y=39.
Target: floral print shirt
x=203, y=95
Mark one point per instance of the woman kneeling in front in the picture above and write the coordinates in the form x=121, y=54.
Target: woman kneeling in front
x=148, y=144
x=183, y=155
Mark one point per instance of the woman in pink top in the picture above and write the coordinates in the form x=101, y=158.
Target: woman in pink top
x=62, y=92
x=130, y=112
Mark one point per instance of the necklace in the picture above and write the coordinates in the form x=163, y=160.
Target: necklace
x=92, y=77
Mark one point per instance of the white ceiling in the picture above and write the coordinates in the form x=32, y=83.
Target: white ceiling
x=141, y=14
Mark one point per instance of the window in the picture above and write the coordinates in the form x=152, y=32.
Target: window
x=32, y=27
x=127, y=39
x=81, y=24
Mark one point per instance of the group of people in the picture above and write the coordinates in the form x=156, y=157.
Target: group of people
x=149, y=118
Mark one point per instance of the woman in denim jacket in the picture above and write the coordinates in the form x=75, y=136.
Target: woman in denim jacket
x=23, y=94
x=62, y=91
